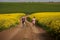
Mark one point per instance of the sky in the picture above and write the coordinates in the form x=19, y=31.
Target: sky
x=29, y=0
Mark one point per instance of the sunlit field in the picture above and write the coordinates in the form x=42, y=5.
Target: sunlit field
x=9, y=20
x=49, y=21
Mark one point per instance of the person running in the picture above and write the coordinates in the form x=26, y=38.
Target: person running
x=23, y=20
x=33, y=20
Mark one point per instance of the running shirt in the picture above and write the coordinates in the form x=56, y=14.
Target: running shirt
x=33, y=20
x=23, y=19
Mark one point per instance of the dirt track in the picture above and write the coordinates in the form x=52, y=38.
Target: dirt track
x=28, y=32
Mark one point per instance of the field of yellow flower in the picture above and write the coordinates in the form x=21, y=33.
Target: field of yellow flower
x=9, y=20
x=50, y=19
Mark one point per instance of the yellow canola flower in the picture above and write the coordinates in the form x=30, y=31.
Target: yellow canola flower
x=6, y=20
x=50, y=19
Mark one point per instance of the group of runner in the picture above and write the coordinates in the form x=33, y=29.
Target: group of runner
x=24, y=20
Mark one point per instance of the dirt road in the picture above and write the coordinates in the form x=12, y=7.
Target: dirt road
x=28, y=32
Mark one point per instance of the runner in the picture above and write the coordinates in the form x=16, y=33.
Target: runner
x=23, y=20
x=33, y=20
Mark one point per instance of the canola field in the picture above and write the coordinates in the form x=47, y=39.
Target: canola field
x=49, y=20
x=9, y=20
